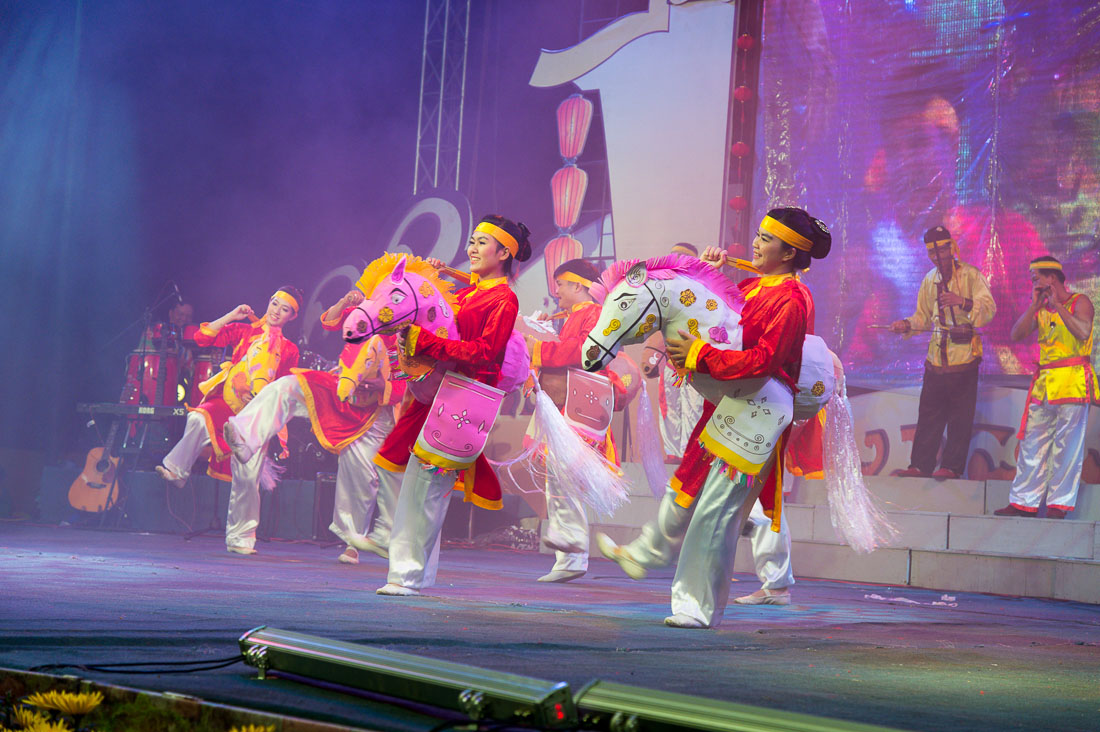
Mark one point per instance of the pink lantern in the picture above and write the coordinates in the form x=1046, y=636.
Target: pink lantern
x=739, y=149
x=559, y=251
x=745, y=42
x=568, y=187
x=742, y=94
x=738, y=203
x=574, y=120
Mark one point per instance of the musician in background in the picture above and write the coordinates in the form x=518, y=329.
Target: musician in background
x=952, y=301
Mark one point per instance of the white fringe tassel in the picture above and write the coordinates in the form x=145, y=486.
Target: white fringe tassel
x=854, y=512
x=270, y=473
x=653, y=451
x=577, y=469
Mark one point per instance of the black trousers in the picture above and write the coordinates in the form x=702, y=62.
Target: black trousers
x=946, y=400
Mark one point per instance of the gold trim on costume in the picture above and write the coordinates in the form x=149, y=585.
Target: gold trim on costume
x=786, y=233
x=691, y=363
x=506, y=240
x=387, y=465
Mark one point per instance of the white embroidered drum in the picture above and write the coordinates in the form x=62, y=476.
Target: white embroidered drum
x=747, y=423
x=589, y=403
x=816, y=379
x=458, y=425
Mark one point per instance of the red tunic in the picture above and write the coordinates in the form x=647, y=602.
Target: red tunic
x=335, y=423
x=486, y=315
x=774, y=324
x=213, y=407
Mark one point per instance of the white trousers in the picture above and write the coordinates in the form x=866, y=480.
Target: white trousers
x=417, y=522
x=567, y=525
x=357, y=478
x=685, y=405
x=701, y=585
x=183, y=455
x=1051, y=456
x=771, y=551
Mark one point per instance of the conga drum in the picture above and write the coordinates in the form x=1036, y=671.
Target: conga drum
x=151, y=378
x=204, y=367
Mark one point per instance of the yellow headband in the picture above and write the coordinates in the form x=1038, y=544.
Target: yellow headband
x=1045, y=264
x=288, y=297
x=683, y=250
x=939, y=242
x=786, y=233
x=506, y=240
x=573, y=277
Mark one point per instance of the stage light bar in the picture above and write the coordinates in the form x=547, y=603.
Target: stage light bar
x=603, y=705
x=478, y=693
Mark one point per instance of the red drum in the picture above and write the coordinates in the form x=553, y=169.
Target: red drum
x=204, y=367
x=151, y=378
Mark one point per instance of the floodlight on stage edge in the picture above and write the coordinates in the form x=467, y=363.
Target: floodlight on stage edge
x=604, y=705
x=478, y=693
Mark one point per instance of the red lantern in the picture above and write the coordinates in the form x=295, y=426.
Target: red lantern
x=568, y=187
x=738, y=203
x=558, y=252
x=739, y=149
x=574, y=120
x=745, y=42
x=742, y=94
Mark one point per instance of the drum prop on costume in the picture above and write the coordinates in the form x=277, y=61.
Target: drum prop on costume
x=816, y=379
x=747, y=423
x=458, y=425
x=589, y=404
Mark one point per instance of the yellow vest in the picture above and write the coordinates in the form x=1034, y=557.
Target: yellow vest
x=1073, y=382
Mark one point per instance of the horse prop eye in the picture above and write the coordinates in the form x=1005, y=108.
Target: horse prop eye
x=397, y=297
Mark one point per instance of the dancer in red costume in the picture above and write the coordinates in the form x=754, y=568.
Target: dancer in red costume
x=261, y=354
x=487, y=311
x=707, y=513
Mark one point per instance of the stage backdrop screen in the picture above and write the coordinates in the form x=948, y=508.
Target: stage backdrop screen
x=887, y=117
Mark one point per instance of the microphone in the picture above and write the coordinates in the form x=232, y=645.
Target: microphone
x=179, y=297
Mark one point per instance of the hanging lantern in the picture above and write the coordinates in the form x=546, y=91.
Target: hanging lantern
x=742, y=94
x=745, y=42
x=738, y=203
x=739, y=149
x=568, y=187
x=559, y=251
x=574, y=121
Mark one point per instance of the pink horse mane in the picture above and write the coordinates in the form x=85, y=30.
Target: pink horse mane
x=667, y=267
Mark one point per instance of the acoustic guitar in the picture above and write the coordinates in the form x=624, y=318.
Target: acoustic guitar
x=96, y=488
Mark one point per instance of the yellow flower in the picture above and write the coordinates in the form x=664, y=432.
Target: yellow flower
x=254, y=728
x=26, y=717
x=687, y=297
x=66, y=702
x=78, y=704
x=45, y=726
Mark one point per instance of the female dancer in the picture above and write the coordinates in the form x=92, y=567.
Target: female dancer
x=260, y=355
x=777, y=313
x=487, y=311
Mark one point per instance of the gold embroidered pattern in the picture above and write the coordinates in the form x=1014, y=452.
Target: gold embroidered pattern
x=712, y=304
x=385, y=315
x=441, y=332
x=426, y=289
x=817, y=389
x=647, y=325
x=693, y=327
x=687, y=297
x=611, y=327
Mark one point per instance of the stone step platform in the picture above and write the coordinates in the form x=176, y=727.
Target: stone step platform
x=969, y=497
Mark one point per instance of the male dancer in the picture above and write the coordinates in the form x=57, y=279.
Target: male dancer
x=261, y=354
x=953, y=300
x=1052, y=447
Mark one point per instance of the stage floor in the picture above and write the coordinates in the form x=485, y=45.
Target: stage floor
x=850, y=651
